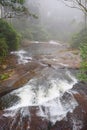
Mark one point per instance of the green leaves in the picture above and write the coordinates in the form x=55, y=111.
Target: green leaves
x=83, y=66
x=4, y=76
x=83, y=52
x=10, y=2
x=82, y=76
x=3, y=47
x=9, y=38
x=79, y=39
x=18, y=1
x=13, y=8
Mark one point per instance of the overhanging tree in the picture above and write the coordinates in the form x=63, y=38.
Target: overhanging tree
x=79, y=4
x=9, y=38
x=81, y=38
x=12, y=8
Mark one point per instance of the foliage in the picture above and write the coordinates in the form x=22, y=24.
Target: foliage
x=80, y=41
x=79, y=38
x=4, y=76
x=7, y=2
x=9, y=38
x=3, y=47
x=36, y=33
x=31, y=30
x=79, y=4
x=15, y=9
x=83, y=68
x=12, y=8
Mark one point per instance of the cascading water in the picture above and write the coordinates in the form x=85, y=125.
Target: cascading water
x=46, y=92
x=47, y=97
x=23, y=57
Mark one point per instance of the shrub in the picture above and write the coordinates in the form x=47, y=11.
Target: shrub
x=83, y=67
x=11, y=37
x=80, y=41
x=3, y=47
x=79, y=38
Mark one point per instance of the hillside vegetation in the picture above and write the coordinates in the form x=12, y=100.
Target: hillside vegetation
x=9, y=38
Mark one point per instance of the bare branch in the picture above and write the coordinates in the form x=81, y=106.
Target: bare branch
x=79, y=4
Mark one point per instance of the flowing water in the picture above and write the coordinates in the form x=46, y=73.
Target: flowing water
x=47, y=92
x=47, y=96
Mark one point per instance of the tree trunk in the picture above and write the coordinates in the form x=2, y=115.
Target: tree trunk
x=1, y=11
x=85, y=17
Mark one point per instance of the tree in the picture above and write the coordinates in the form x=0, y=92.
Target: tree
x=9, y=38
x=12, y=8
x=79, y=4
x=79, y=39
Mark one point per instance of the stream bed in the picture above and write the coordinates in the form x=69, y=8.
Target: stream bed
x=51, y=100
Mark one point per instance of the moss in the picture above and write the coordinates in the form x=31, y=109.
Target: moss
x=4, y=76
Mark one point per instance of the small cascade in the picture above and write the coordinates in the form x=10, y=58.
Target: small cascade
x=50, y=95
x=23, y=57
x=55, y=43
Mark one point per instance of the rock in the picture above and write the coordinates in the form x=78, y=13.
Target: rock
x=80, y=87
x=4, y=67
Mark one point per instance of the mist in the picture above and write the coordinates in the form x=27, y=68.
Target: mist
x=55, y=21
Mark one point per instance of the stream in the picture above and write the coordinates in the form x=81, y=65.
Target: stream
x=49, y=100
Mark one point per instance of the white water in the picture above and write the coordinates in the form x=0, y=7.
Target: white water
x=55, y=43
x=77, y=124
x=22, y=58
x=48, y=96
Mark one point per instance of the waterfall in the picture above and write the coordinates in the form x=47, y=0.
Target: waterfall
x=47, y=93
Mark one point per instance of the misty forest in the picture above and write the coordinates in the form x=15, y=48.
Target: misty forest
x=43, y=64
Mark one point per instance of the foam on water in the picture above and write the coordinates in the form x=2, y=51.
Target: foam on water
x=48, y=96
x=22, y=56
x=54, y=42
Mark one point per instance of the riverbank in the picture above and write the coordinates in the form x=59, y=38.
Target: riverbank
x=18, y=75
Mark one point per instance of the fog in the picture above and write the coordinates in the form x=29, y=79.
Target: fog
x=55, y=21
x=51, y=8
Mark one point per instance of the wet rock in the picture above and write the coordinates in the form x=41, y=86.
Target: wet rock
x=26, y=119
x=62, y=125
x=4, y=67
x=23, y=121
x=22, y=74
x=78, y=119
x=80, y=87
x=7, y=101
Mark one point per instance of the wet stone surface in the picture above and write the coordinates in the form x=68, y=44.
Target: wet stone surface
x=42, y=93
x=27, y=119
